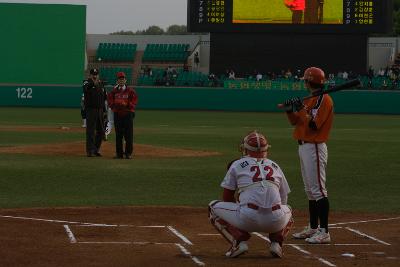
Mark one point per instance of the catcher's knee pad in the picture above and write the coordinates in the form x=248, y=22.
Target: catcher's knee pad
x=211, y=214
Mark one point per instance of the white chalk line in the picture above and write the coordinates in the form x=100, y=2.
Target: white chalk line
x=367, y=236
x=366, y=221
x=187, y=253
x=80, y=223
x=311, y=255
x=338, y=244
x=125, y=243
x=262, y=237
x=120, y=225
x=70, y=234
x=178, y=234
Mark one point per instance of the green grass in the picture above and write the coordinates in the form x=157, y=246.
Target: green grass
x=363, y=167
x=270, y=11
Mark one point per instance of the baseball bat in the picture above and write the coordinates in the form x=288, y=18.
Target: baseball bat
x=347, y=85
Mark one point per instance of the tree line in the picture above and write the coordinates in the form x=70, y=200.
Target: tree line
x=156, y=30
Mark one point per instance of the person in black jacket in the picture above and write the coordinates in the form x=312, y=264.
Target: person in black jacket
x=94, y=98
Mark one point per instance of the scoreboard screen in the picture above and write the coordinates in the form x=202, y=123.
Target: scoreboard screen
x=297, y=16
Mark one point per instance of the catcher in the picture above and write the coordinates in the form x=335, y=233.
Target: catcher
x=262, y=199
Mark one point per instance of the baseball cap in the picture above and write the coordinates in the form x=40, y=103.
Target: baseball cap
x=121, y=74
x=94, y=71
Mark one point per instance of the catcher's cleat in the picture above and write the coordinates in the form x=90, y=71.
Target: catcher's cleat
x=276, y=250
x=238, y=250
x=320, y=237
x=306, y=233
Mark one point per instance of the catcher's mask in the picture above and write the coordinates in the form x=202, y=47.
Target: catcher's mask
x=315, y=76
x=255, y=145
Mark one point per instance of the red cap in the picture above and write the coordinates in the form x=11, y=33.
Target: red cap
x=121, y=75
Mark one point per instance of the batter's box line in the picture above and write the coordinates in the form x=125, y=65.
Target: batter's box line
x=326, y=262
x=184, y=251
x=367, y=236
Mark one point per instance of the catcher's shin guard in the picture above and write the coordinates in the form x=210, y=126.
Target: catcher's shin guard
x=232, y=234
x=282, y=234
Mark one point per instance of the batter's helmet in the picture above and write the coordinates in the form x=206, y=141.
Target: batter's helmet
x=254, y=144
x=314, y=75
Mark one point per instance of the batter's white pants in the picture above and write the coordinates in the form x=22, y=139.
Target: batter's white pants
x=313, y=162
x=251, y=220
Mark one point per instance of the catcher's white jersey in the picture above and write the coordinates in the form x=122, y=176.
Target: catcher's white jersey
x=263, y=193
x=259, y=182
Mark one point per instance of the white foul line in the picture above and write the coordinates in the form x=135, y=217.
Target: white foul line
x=124, y=243
x=71, y=236
x=262, y=237
x=186, y=252
x=184, y=239
x=368, y=236
x=377, y=220
x=308, y=253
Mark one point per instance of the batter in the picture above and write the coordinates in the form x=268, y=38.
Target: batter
x=313, y=121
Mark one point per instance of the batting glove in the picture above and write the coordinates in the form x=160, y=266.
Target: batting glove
x=297, y=103
x=288, y=104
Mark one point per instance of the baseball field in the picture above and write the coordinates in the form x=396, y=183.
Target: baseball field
x=60, y=208
x=261, y=11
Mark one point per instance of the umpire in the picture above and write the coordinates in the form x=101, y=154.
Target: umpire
x=122, y=100
x=94, y=98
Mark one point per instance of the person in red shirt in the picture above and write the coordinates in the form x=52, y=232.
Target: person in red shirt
x=297, y=7
x=122, y=100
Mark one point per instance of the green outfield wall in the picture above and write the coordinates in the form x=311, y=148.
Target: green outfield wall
x=42, y=43
x=169, y=98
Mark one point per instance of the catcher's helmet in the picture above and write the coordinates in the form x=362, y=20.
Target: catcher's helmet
x=254, y=144
x=314, y=75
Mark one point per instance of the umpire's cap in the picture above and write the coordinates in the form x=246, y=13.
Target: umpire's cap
x=94, y=71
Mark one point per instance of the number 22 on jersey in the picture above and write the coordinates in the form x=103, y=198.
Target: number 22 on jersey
x=268, y=173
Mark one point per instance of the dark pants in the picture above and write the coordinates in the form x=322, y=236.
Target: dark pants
x=297, y=15
x=94, y=129
x=124, y=130
x=314, y=12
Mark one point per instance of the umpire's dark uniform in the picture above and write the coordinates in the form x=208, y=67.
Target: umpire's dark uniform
x=95, y=96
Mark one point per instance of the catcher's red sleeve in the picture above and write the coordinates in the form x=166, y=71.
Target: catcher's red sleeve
x=228, y=195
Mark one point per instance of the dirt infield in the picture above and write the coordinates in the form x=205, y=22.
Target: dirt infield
x=78, y=148
x=180, y=236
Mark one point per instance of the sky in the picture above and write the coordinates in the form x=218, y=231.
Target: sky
x=106, y=16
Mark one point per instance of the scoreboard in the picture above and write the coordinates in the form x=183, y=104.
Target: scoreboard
x=292, y=16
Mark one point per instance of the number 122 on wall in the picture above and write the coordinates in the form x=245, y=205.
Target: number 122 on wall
x=24, y=93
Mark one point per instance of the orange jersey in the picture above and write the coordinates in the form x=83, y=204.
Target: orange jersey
x=318, y=111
